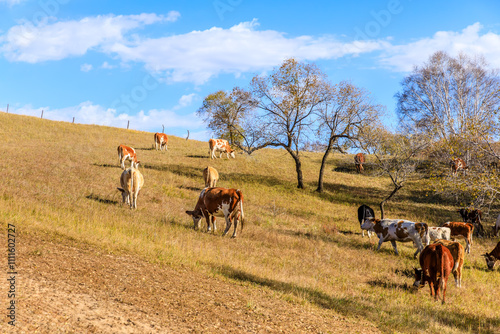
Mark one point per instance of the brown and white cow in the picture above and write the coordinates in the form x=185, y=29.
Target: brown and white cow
x=127, y=153
x=492, y=257
x=398, y=230
x=457, y=251
x=131, y=182
x=211, y=176
x=221, y=146
x=212, y=202
x=161, y=140
x=459, y=229
x=457, y=165
x=437, y=263
x=439, y=233
x=359, y=160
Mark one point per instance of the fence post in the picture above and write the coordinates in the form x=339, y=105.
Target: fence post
x=163, y=131
x=188, y=135
x=42, y=114
x=73, y=120
x=7, y=108
x=128, y=123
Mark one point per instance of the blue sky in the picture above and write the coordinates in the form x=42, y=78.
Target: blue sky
x=152, y=62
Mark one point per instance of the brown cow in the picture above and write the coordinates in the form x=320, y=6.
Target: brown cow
x=127, y=153
x=437, y=263
x=458, y=164
x=211, y=176
x=457, y=251
x=359, y=160
x=221, y=202
x=220, y=145
x=459, y=229
x=492, y=257
x=162, y=140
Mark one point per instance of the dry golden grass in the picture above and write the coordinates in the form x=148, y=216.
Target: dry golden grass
x=61, y=178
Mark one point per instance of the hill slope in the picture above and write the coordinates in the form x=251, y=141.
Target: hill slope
x=299, y=265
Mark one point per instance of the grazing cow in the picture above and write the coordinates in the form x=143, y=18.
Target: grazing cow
x=496, y=228
x=127, y=153
x=211, y=176
x=398, y=230
x=437, y=263
x=473, y=216
x=459, y=229
x=359, y=160
x=457, y=165
x=457, y=251
x=131, y=181
x=161, y=139
x=221, y=146
x=364, y=212
x=492, y=257
x=439, y=233
x=221, y=202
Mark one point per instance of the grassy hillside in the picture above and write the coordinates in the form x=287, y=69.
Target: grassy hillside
x=306, y=248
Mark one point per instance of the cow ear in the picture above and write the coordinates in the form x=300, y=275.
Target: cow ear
x=121, y=190
x=191, y=213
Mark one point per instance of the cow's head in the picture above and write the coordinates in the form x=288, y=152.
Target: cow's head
x=124, y=195
x=368, y=224
x=419, y=278
x=490, y=260
x=196, y=215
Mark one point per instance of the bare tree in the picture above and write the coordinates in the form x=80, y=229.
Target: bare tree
x=396, y=155
x=341, y=117
x=288, y=97
x=455, y=101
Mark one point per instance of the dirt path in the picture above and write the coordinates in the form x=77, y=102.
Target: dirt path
x=65, y=287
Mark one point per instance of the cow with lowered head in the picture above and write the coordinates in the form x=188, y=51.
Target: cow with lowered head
x=492, y=257
x=365, y=212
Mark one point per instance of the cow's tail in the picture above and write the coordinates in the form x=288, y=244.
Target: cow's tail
x=242, y=215
x=440, y=265
x=119, y=155
x=131, y=192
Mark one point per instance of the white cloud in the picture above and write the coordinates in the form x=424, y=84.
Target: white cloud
x=11, y=2
x=86, y=67
x=199, y=55
x=469, y=40
x=33, y=44
x=107, y=66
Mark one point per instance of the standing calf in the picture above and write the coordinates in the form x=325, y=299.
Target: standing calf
x=131, y=181
x=459, y=229
x=161, y=139
x=359, y=160
x=437, y=264
x=127, y=153
x=211, y=176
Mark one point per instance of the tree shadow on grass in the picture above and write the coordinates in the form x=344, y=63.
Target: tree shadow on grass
x=99, y=199
x=144, y=148
x=197, y=156
x=107, y=165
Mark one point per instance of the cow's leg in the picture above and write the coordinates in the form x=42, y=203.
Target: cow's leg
x=380, y=241
x=395, y=247
x=228, y=224
x=235, y=225
x=214, y=220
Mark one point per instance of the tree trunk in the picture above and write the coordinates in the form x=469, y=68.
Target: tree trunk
x=298, y=168
x=396, y=188
x=322, y=169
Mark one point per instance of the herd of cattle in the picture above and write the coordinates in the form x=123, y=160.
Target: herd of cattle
x=437, y=260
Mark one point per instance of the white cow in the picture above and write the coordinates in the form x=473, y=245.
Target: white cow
x=131, y=181
x=436, y=233
x=398, y=230
x=220, y=145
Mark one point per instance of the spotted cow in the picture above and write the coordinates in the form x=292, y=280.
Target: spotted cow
x=436, y=264
x=493, y=256
x=131, y=182
x=399, y=230
x=359, y=160
x=439, y=233
x=457, y=165
x=212, y=202
x=459, y=229
x=127, y=153
x=457, y=252
x=364, y=212
x=221, y=146
x=211, y=176
x=161, y=140
x=473, y=216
